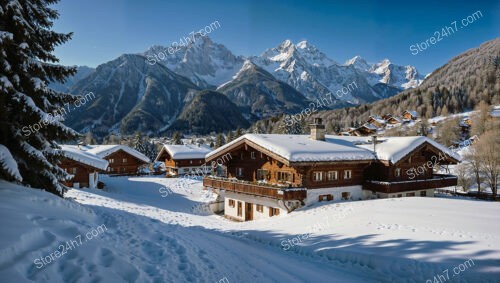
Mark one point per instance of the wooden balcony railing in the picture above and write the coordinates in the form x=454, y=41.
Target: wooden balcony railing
x=438, y=181
x=255, y=189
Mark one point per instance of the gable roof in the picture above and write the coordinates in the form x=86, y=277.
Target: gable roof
x=301, y=148
x=103, y=151
x=185, y=151
x=376, y=118
x=393, y=149
x=412, y=113
x=75, y=153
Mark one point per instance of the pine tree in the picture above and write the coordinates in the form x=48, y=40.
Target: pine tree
x=229, y=136
x=28, y=127
x=176, y=138
x=219, y=141
x=238, y=133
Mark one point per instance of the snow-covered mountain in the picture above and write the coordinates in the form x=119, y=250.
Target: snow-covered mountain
x=260, y=94
x=206, y=63
x=403, y=77
x=130, y=95
x=311, y=72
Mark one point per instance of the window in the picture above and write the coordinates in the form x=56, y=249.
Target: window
x=190, y=161
x=259, y=208
x=400, y=195
x=241, y=156
x=410, y=194
x=397, y=172
x=318, y=176
x=262, y=174
x=328, y=197
x=73, y=171
x=284, y=176
x=240, y=210
x=124, y=160
x=423, y=193
x=333, y=175
x=274, y=211
x=111, y=160
x=347, y=174
x=252, y=154
x=239, y=171
x=108, y=169
x=112, y=169
x=231, y=203
x=346, y=195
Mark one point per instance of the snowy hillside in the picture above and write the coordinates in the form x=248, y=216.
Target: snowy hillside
x=158, y=230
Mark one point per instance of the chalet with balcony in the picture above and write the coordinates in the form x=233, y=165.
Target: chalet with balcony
x=83, y=166
x=184, y=159
x=123, y=160
x=268, y=174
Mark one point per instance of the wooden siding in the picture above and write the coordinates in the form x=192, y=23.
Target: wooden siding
x=357, y=175
x=119, y=167
x=82, y=172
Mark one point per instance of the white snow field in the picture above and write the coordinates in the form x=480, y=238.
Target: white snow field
x=154, y=229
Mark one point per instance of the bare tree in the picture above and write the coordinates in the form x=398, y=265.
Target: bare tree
x=489, y=154
x=474, y=159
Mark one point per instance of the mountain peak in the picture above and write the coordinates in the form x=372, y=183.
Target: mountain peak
x=358, y=62
x=303, y=44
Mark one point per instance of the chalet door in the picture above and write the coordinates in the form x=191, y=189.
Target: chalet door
x=248, y=211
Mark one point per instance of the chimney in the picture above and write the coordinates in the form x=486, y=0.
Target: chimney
x=317, y=129
x=374, y=141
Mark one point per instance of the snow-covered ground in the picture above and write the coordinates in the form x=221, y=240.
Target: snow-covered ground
x=158, y=231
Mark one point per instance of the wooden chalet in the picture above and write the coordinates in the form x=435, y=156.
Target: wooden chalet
x=184, y=159
x=123, y=160
x=376, y=121
x=393, y=120
x=272, y=174
x=84, y=167
x=410, y=115
x=364, y=130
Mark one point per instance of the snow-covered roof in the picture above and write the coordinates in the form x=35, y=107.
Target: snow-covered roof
x=301, y=148
x=186, y=151
x=77, y=154
x=495, y=112
x=103, y=151
x=378, y=119
x=369, y=126
x=412, y=113
x=394, y=149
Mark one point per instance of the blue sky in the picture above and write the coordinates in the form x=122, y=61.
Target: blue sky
x=105, y=29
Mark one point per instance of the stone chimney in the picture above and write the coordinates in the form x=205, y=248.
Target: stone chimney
x=374, y=141
x=317, y=130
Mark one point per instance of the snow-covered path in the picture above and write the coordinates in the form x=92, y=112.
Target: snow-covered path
x=156, y=237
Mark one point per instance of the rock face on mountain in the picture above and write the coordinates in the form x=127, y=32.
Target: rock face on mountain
x=258, y=93
x=315, y=75
x=209, y=111
x=130, y=95
x=205, y=63
x=148, y=92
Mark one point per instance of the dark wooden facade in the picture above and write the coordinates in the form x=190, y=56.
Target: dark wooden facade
x=252, y=163
x=171, y=163
x=121, y=162
x=80, y=171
